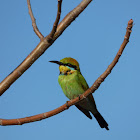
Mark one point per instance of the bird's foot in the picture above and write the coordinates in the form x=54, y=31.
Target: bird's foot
x=79, y=97
x=67, y=104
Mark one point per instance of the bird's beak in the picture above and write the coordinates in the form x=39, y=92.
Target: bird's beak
x=57, y=62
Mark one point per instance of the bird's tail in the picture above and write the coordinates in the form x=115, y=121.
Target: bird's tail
x=101, y=120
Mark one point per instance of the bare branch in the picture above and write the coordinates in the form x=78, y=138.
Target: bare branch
x=116, y=59
x=51, y=35
x=42, y=47
x=36, y=30
x=70, y=17
x=92, y=89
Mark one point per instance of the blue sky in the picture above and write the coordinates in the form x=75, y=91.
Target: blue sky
x=93, y=39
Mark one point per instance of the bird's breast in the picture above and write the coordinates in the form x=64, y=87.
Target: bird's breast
x=71, y=85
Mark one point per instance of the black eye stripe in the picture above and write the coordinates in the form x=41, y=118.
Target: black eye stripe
x=70, y=65
x=64, y=64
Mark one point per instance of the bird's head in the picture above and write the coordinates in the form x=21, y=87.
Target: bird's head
x=67, y=65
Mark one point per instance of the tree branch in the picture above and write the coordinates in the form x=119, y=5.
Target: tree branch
x=36, y=30
x=92, y=89
x=42, y=47
x=51, y=35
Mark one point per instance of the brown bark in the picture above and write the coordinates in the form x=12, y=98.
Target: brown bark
x=51, y=35
x=36, y=30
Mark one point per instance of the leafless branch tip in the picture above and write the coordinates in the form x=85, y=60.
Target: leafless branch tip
x=36, y=30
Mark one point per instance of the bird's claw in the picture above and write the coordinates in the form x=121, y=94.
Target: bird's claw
x=67, y=104
x=79, y=97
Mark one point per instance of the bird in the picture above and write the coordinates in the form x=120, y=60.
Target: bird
x=73, y=84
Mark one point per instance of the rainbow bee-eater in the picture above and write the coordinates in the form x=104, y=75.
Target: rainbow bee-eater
x=74, y=84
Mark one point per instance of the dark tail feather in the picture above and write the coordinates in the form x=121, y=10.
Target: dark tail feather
x=86, y=112
x=101, y=121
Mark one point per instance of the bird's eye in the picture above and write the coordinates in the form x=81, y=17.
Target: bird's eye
x=69, y=65
x=72, y=66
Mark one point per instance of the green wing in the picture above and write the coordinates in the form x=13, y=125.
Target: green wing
x=83, y=82
x=85, y=87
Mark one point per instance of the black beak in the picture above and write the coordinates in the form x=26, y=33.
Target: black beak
x=57, y=62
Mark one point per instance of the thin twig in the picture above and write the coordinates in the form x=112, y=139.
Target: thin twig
x=36, y=30
x=42, y=47
x=56, y=21
x=92, y=89
x=116, y=59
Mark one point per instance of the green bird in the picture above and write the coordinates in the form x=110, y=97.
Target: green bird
x=74, y=84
